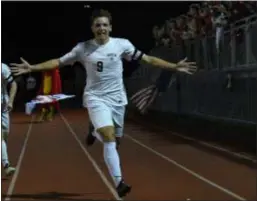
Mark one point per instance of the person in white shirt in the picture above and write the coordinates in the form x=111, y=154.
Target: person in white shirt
x=104, y=94
x=6, y=105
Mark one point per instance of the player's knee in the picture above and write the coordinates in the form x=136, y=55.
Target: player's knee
x=107, y=133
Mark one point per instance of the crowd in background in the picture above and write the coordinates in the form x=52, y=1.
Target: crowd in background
x=203, y=19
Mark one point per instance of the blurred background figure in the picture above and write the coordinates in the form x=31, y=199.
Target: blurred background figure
x=50, y=85
x=7, y=99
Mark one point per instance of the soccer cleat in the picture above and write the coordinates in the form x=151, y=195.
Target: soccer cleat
x=8, y=170
x=123, y=189
x=90, y=139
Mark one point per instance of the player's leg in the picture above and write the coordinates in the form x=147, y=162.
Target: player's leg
x=91, y=135
x=90, y=138
x=118, y=113
x=118, y=135
x=8, y=170
x=101, y=117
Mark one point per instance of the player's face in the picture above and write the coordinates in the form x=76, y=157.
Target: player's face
x=101, y=28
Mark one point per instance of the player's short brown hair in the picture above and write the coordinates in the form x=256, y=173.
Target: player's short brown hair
x=101, y=13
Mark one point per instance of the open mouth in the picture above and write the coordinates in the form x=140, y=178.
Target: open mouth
x=101, y=33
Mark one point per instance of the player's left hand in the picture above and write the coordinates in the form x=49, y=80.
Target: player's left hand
x=186, y=67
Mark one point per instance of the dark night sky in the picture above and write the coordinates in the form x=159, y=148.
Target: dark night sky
x=44, y=30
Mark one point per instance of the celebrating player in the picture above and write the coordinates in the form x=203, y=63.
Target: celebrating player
x=104, y=94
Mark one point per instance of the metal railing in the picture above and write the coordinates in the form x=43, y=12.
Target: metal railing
x=206, y=93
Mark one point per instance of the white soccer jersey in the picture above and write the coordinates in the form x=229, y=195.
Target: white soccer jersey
x=103, y=64
x=6, y=77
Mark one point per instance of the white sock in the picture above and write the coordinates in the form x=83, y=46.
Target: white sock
x=112, y=161
x=5, y=160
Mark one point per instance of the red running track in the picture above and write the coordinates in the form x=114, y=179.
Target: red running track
x=53, y=163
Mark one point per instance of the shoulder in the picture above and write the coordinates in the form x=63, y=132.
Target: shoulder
x=86, y=45
x=79, y=46
x=120, y=40
x=5, y=68
x=123, y=42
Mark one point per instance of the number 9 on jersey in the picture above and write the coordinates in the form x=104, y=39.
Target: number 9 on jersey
x=99, y=66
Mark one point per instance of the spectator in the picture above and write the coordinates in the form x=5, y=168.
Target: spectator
x=156, y=35
x=186, y=35
x=219, y=20
x=206, y=20
x=172, y=28
x=165, y=41
x=191, y=27
x=161, y=32
x=180, y=27
x=196, y=20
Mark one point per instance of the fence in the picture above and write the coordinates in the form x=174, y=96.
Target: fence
x=207, y=93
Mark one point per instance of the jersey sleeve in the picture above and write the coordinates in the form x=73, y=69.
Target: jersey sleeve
x=6, y=73
x=71, y=57
x=130, y=53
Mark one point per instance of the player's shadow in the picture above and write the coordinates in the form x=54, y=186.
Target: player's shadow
x=51, y=196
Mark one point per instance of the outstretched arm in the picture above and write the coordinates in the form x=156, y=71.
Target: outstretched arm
x=25, y=67
x=182, y=66
x=132, y=54
x=155, y=61
x=48, y=65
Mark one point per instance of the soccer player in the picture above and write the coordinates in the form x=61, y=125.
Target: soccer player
x=104, y=94
x=7, y=105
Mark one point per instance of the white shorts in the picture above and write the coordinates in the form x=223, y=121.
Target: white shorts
x=102, y=114
x=5, y=121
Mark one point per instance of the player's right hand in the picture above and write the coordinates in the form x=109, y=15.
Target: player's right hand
x=186, y=67
x=22, y=68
